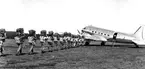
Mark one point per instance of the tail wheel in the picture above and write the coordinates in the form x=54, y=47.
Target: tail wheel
x=136, y=45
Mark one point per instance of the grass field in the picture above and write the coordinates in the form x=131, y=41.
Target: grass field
x=87, y=57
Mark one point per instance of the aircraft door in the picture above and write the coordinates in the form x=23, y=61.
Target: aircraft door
x=115, y=35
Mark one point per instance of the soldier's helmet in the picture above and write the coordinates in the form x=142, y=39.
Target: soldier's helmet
x=69, y=34
x=43, y=32
x=61, y=34
x=32, y=32
x=50, y=33
x=75, y=36
x=65, y=33
x=19, y=31
x=2, y=32
x=78, y=36
x=72, y=35
x=56, y=34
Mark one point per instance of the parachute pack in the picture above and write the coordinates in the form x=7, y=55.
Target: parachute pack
x=43, y=33
x=20, y=30
x=32, y=32
x=50, y=33
x=2, y=31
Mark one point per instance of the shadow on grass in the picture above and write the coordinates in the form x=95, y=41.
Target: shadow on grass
x=4, y=55
x=20, y=54
x=48, y=65
x=117, y=45
x=141, y=46
x=33, y=53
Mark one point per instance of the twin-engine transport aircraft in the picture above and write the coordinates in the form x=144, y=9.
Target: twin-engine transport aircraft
x=92, y=33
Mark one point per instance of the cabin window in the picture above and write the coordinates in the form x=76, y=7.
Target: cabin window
x=101, y=33
x=104, y=34
x=108, y=35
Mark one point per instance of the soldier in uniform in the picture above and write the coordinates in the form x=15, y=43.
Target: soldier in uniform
x=81, y=41
x=50, y=40
x=43, y=38
x=19, y=40
x=61, y=41
x=56, y=39
x=75, y=41
x=72, y=44
x=65, y=40
x=32, y=40
x=78, y=40
x=2, y=40
x=69, y=40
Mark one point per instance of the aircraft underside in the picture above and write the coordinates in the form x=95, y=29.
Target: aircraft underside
x=111, y=40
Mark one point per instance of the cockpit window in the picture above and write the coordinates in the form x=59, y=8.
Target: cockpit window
x=84, y=28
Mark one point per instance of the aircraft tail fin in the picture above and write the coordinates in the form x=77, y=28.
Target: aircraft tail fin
x=140, y=33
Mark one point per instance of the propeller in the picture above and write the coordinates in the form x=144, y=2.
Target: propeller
x=79, y=32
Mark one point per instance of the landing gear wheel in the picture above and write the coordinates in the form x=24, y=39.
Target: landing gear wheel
x=102, y=43
x=87, y=43
x=42, y=51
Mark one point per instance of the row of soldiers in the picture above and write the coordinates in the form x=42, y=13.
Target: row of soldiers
x=55, y=41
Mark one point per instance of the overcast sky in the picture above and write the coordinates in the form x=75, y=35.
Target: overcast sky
x=70, y=15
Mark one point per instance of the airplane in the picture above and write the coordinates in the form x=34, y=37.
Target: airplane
x=91, y=33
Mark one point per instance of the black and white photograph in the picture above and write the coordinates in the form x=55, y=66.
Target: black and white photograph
x=72, y=34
